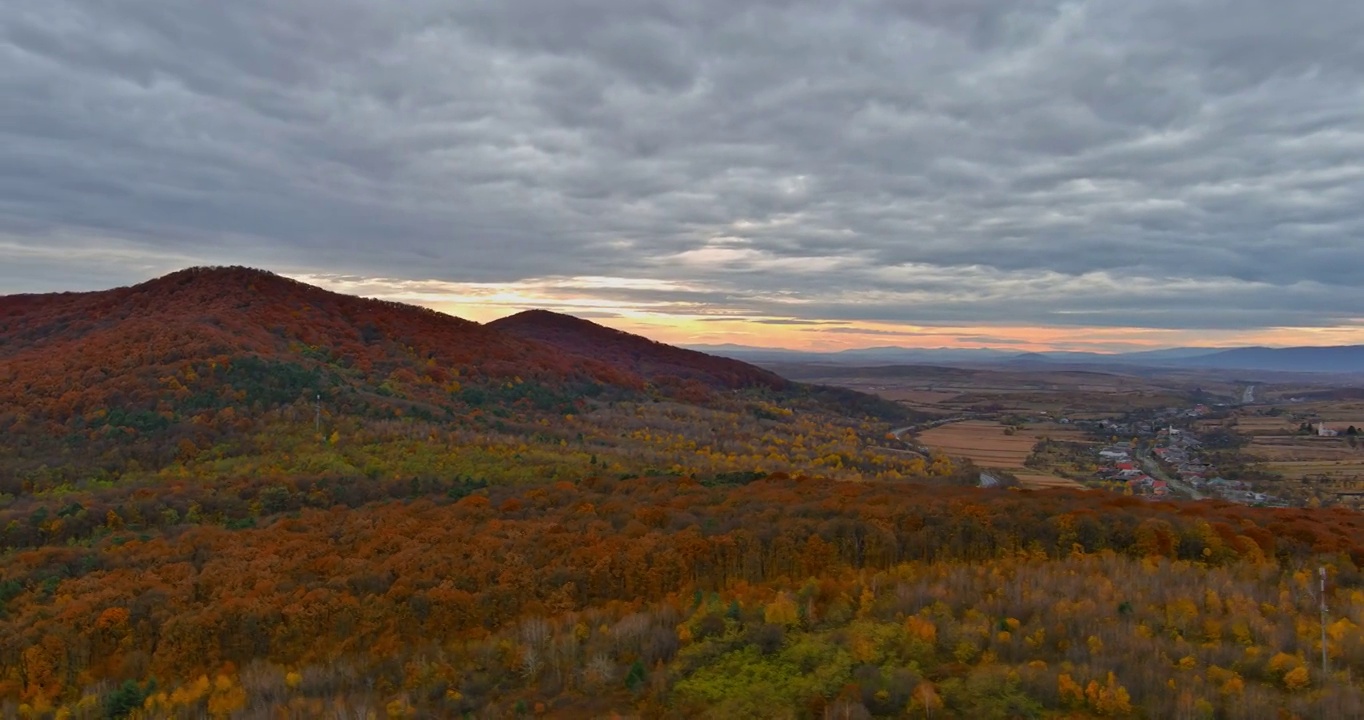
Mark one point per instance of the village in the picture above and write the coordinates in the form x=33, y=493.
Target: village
x=1162, y=461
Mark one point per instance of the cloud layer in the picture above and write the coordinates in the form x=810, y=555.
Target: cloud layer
x=1158, y=164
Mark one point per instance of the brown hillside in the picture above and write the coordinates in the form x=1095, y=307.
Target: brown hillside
x=62, y=355
x=659, y=363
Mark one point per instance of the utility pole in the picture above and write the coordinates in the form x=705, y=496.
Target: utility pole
x=1321, y=572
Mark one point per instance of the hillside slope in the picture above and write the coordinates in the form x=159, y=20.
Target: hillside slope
x=659, y=363
x=233, y=370
x=208, y=335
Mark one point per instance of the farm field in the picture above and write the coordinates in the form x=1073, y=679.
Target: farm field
x=910, y=396
x=982, y=441
x=1298, y=457
x=1342, y=469
x=985, y=443
x=1309, y=465
x=1260, y=425
x=1057, y=432
x=943, y=391
x=1043, y=482
x=929, y=402
x=1300, y=448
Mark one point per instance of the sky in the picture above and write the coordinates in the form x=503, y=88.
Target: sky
x=1091, y=174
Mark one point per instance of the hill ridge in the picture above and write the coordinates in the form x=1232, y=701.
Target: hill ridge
x=202, y=339
x=655, y=361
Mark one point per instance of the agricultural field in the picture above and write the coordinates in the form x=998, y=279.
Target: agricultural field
x=1039, y=481
x=928, y=401
x=984, y=442
x=989, y=444
x=1329, y=469
x=978, y=403
x=993, y=392
x=1300, y=457
x=1256, y=425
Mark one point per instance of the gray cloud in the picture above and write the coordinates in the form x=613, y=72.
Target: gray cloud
x=1157, y=164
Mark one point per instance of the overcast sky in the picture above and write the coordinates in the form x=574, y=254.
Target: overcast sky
x=1097, y=173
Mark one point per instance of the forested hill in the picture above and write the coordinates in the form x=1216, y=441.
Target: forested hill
x=210, y=357
x=227, y=494
x=177, y=338
x=83, y=350
x=653, y=360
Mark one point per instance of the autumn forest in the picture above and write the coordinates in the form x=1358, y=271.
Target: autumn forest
x=226, y=494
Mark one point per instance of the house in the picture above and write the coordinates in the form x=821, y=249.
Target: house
x=1323, y=431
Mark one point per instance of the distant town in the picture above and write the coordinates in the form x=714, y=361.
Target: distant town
x=1162, y=461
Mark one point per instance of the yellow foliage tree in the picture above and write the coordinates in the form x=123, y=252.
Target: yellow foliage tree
x=1297, y=679
x=1070, y=691
x=1109, y=698
x=227, y=697
x=782, y=611
x=922, y=629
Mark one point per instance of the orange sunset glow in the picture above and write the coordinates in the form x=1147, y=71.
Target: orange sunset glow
x=693, y=324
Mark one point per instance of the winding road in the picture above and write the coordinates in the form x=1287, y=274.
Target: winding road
x=919, y=449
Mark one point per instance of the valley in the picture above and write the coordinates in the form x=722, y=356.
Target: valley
x=1266, y=439
x=227, y=494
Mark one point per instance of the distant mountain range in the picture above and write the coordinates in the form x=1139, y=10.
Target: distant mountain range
x=1333, y=359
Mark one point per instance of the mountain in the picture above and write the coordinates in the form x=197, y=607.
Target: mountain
x=257, y=336
x=655, y=361
x=484, y=521
x=1337, y=359
x=208, y=335
x=210, y=355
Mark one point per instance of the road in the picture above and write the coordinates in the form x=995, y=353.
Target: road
x=1154, y=469
x=919, y=450
x=930, y=425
